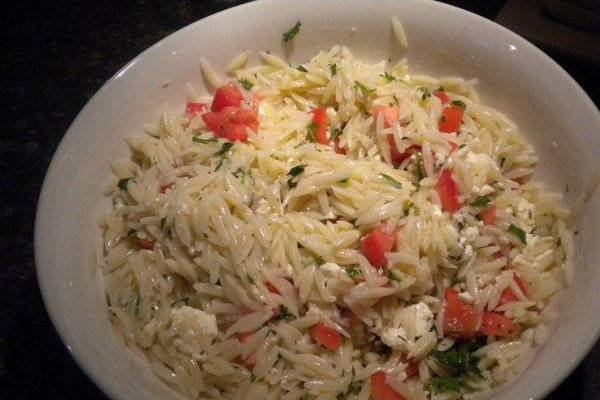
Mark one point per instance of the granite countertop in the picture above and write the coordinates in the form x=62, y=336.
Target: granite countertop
x=55, y=56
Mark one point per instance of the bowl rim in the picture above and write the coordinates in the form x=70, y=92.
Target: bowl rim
x=40, y=253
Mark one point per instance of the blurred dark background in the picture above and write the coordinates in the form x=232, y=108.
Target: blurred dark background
x=56, y=55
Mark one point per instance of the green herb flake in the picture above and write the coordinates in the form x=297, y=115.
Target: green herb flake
x=449, y=384
x=353, y=272
x=518, y=232
x=297, y=170
x=199, y=139
x=354, y=387
x=289, y=35
x=312, y=131
x=406, y=206
x=319, y=260
x=219, y=165
x=335, y=132
x=462, y=146
x=426, y=93
x=344, y=181
x=460, y=104
x=481, y=201
x=246, y=84
x=301, y=68
x=122, y=184
x=284, y=314
x=224, y=148
x=391, y=181
x=420, y=172
x=502, y=161
x=363, y=89
x=388, y=77
x=137, y=305
x=456, y=280
x=131, y=232
x=392, y=276
x=333, y=69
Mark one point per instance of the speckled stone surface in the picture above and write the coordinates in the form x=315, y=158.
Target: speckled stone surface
x=53, y=57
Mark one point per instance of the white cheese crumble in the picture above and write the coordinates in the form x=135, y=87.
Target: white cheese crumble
x=193, y=321
x=526, y=213
x=485, y=190
x=411, y=322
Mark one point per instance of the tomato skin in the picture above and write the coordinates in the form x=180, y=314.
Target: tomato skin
x=321, y=118
x=226, y=96
x=451, y=119
x=145, y=244
x=412, y=369
x=448, y=192
x=381, y=390
x=193, y=109
x=231, y=123
x=488, y=216
x=398, y=157
x=508, y=296
x=337, y=148
x=376, y=243
x=496, y=324
x=271, y=288
x=163, y=189
x=390, y=115
x=460, y=319
x=442, y=96
x=326, y=336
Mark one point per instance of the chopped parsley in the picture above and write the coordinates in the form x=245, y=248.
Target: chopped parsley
x=393, y=276
x=312, y=131
x=420, y=172
x=137, y=305
x=449, y=384
x=459, y=103
x=354, y=387
x=284, y=314
x=344, y=181
x=518, y=232
x=131, y=232
x=391, y=181
x=122, y=184
x=199, y=139
x=353, y=272
x=301, y=68
x=406, y=206
x=363, y=89
x=462, y=145
x=335, y=132
x=246, y=84
x=388, y=77
x=502, y=160
x=289, y=35
x=224, y=149
x=294, y=172
x=319, y=260
x=481, y=201
x=426, y=93
x=219, y=165
x=184, y=300
x=333, y=69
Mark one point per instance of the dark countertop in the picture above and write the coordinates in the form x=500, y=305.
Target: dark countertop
x=55, y=55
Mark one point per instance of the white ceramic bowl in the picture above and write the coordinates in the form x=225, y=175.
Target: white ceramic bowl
x=515, y=77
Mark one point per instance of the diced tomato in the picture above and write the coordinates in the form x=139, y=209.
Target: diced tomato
x=226, y=96
x=193, y=109
x=508, y=296
x=451, y=119
x=231, y=123
x=442, y=96
x=488, y=216
x=376, y=243
x=381, y=390
x=448, y=192
x=390, y=115
x=213, y=121
x=460, y=319
x=145, y=244
x=337, y=148
x=412, y=369
x=234, y=132
x=453, y=147
x=496, y=324
x=256, y=99
x=398, y=157
x=244, y=337
x=163, y=189
x=321, y=118
x=326, y=336
x=271, y=288
x=241, y=116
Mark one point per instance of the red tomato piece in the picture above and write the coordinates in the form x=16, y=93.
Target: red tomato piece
x=376, y=243
x=453, y=147
x=321, y=118
x=460, y=319
x=226, y=96
x=451, y=119
x=234, y=132
x=442, y=96
x=398, y=157
x=390, y=115
x=145, y=244
x=163, y=189
x=337, y=148
x=412, y=369
x=508, y=296
x=231, y=123
x=271, y=288
x=193, y=109
x=496, y=324
x=213, y=121
x=381, y=390
x=326, y=336
x=488, y=216
x=256, y=99
x=448, y=192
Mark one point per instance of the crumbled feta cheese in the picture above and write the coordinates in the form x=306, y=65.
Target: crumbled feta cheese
x=466, y=297
x=423, y=317
x=531, y=239
x=471, y=233
x=468, y=253
x=395, y=338
x=526, y=213
x=194, y=321
x=331, y=269
x=485, y=190
x=436, y=210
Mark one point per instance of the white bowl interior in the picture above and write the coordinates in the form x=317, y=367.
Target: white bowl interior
x=515, y=77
